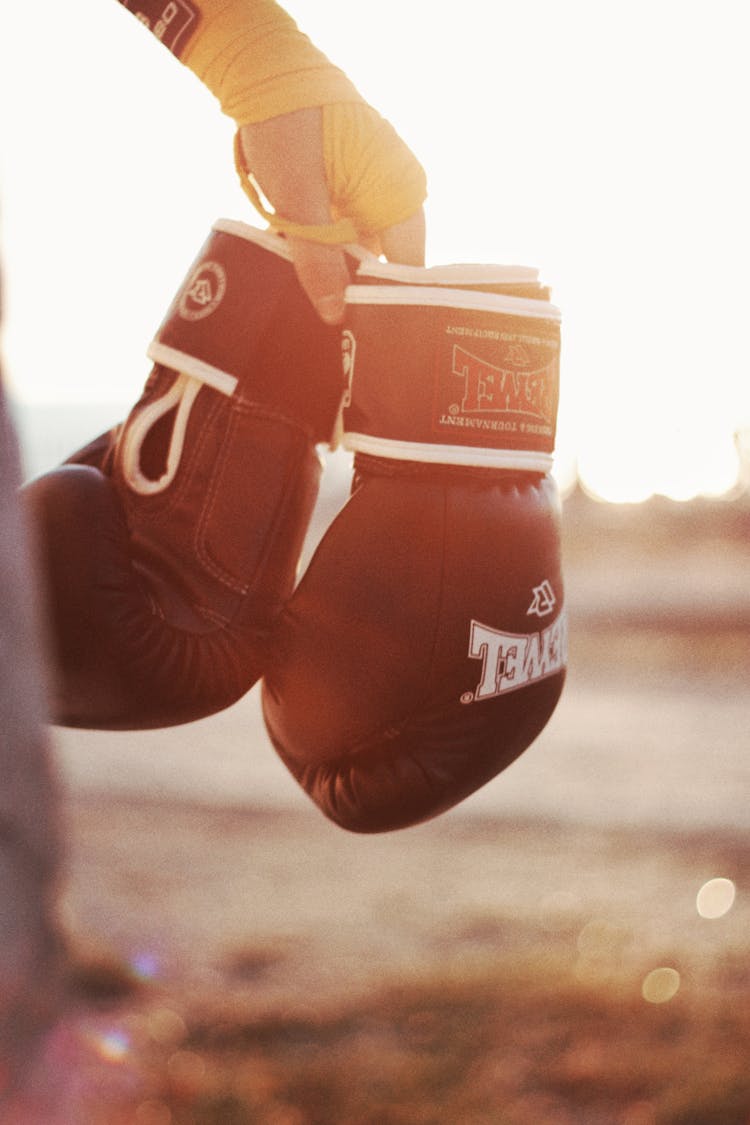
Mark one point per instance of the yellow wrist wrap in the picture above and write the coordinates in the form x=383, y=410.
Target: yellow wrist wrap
x=373, y=176
x=374, y=180
x=258, y=64
x=252, y=56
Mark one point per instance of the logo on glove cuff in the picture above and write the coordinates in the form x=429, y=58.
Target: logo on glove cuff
x=203, y=292
x=497, y=386
x=514, y=660
x=488, y=388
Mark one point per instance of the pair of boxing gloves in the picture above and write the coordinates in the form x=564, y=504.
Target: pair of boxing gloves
x=424, y=648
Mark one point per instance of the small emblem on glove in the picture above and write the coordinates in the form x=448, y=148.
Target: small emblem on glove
x=544, y=600
x=203, y=292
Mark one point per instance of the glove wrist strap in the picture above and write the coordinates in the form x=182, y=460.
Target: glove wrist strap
x=458, y=455
x=450, y=376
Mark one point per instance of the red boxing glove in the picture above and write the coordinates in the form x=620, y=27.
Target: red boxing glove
x=425, y=647
x=170, y=545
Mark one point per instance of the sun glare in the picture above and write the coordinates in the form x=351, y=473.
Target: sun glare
x=623, y=472
x=540, y=148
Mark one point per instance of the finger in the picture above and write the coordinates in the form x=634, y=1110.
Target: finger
x=323, y=275
x=405, y=242
x=375, y=179
x=298, y=191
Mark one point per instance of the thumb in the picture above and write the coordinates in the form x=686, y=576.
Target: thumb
x=323, y=272
x=405, y=242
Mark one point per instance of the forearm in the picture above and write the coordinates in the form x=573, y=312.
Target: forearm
x=334, y=171
x=249, y=53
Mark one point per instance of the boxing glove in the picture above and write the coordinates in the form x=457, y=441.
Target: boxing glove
x=425, y=647
x=170, y=544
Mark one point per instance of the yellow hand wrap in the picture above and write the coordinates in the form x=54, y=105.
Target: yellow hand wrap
x=373, y=176
x=252, y=56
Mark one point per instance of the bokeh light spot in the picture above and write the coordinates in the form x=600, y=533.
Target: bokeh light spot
x=186, y=1067
x=112, y=1045
x=166, y=1026
x=715, y=898
x=599, y=938
x=660, y=985
x=153, y=1113
x=145, y=965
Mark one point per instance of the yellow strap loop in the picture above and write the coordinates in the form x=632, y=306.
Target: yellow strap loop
x=330, y=234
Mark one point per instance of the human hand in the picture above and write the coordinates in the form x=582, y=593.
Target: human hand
x=326, y=163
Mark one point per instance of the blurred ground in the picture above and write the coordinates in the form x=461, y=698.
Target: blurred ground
x=203, y=885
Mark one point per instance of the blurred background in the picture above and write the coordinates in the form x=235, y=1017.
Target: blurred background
x=605, y=145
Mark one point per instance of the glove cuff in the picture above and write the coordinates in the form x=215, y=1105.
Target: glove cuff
x=240, y=325
x=452, y=376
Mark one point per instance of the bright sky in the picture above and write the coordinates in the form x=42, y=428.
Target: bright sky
x=605, y=144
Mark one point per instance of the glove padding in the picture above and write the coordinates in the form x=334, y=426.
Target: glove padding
x=170, y=545
x=425, y=647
